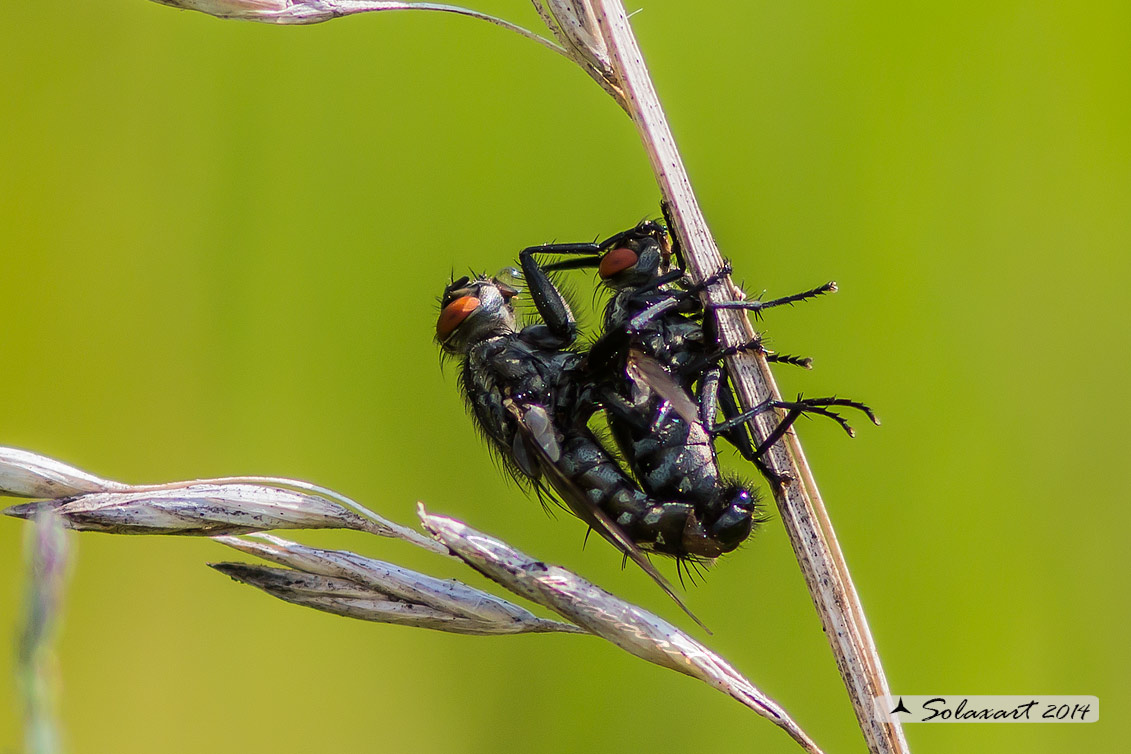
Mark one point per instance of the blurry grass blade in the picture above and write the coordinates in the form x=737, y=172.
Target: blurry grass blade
x=447, y=595
x=353, y=600
x=24, y=474
x=631, y=628
x=47, y=560
x=198, y=509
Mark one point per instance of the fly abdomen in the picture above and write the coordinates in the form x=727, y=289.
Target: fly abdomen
x=667, y=526
x=677, y=462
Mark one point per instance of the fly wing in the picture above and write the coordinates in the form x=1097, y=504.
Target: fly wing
x=645, y=370
x=531, y=421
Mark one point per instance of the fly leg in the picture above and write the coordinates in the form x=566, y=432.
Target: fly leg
x=759, y=306
x=641, y=231
x=737, y=434
x=805, y=362
x=591, y=253
x=754, y=344
x=732, y=513
x=709, y=397
x=684, y=300
x=560, y=325
x=735, y=425
x=755, y=306
x=794, y=410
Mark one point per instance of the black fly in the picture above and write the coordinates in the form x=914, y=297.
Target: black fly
x=656, y=348
x=525, y=389
x=532, y=394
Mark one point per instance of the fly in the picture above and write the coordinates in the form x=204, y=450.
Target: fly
x=525, y=389
x=657, y=349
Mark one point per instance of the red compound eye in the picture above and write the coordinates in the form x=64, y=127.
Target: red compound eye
x=453, y=316
x=617, y=261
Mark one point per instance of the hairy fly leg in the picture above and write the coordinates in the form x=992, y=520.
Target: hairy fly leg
x=795, y=410
x=758, y=306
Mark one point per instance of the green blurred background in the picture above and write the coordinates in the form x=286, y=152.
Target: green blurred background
x=221, y=246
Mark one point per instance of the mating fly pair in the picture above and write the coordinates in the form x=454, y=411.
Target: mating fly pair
x=654, y=371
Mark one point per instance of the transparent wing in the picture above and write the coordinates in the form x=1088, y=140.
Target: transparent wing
x=645, y=370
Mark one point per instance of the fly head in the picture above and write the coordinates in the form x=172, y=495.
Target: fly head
x=636, y=257
x=472, y=311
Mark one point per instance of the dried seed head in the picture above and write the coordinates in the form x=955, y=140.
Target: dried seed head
x=447, y=595
x=345, y=583
x=342, y=597
x=24, y=474
x=631, y=628
x=198, y=509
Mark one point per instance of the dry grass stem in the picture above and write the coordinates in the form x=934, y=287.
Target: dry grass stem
x=797, y=496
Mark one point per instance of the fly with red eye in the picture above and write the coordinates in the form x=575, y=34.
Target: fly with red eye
x=527, y=395
x=532, y=393
x=658, y=349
